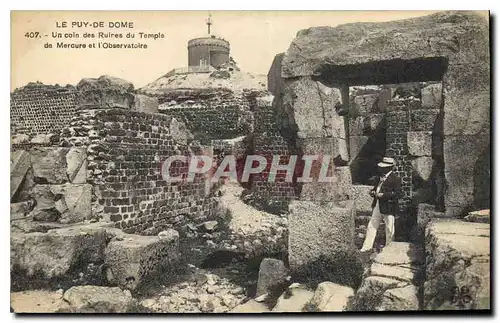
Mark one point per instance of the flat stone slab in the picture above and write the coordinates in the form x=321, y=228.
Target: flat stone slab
x=98, y=299
x=293, y=300
x=250, y=307
x=400, y=299
x=400, y=253
x=397, y=272
x=331, y=297
x=460, y=228
x=37, y=301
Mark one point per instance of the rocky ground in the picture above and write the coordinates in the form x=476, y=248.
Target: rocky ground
x=251, y=231
x=203, y=292
x=127, y=273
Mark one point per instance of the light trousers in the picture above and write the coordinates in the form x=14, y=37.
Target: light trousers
x=371, y=231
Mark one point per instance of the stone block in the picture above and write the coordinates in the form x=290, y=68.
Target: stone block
x=366, y=125
x=338, y=189
x=356, y=144
x=293, y=300
x=76, y=159
x=463, y=157
x=398, y=253
x=457, y=255
x=271, y=273
x=37, y=301
x=395, y=272
x=19, y=139
x=419, y=143
x=21, y=209
x=432, y=96
x=264, y=101
x=482, y=216
x=99, y=299
x=310, y=105
x=400, y=299
x=19, y=164
x=55, y=252
x=73, y=201
x=467, y=117
x=369, y=294
x=422, y=167
x=45, y=139
x=357, y=126
x=333, y=229
x=364, y=104
x=49, y=165
x=250, y=307
x=374, y=122
x=180, y=132
x=146, y=104
x=424, y=120
x=131, y=260
x=105, y=92
x=331, y=297
x=45, y=209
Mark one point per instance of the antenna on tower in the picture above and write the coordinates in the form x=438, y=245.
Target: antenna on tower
x=209, y=22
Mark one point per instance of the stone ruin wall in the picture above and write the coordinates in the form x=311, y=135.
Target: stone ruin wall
x=210, y=113
x=39, y=109
x=215, y=115
x=267, y=142
x=458, y=42
x=125, y=152
x=403, y=121
x=122, y=137
x=118, y=153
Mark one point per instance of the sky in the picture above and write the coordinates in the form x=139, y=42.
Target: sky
x=255, y=38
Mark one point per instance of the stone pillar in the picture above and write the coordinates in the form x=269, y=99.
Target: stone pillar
x=269, y=141
x=398, y=125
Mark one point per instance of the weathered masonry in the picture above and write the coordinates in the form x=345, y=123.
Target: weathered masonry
x=417, y=90
x=103, y=148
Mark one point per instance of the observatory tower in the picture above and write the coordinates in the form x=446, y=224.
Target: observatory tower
x=209, y=50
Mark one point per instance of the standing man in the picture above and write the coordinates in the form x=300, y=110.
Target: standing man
x=386, y=193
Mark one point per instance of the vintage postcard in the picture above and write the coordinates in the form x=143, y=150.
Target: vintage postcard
x=178, y=162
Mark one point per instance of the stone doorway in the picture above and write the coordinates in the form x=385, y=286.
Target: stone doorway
x=395, y=108
x=403, y=121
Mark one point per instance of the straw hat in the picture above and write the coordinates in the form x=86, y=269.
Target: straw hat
x=386, y=162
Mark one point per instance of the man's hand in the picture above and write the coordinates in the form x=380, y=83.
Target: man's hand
x=380, y=195
x=372, y=193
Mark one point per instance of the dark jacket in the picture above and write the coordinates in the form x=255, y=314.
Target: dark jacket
x=391, y=190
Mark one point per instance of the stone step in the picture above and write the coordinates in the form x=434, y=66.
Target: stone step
x=400, y=253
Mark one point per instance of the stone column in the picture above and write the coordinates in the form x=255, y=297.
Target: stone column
x=398, y=125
